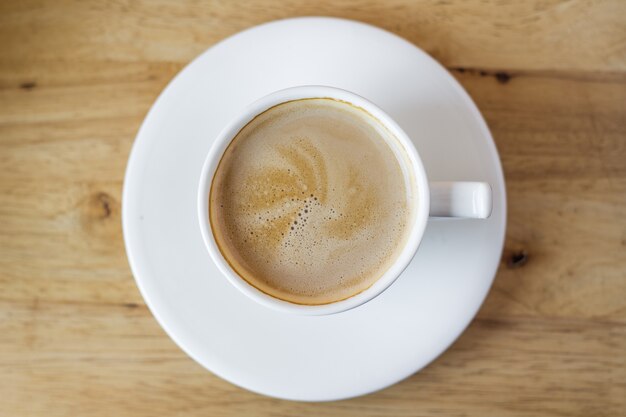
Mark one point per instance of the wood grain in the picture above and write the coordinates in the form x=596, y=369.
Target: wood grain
x=76, y=79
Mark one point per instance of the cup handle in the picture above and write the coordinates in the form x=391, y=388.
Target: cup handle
x=463, y=199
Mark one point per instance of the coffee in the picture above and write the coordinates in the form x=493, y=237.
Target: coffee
x=310, y=202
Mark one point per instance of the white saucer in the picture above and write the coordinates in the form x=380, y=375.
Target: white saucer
x=294, y=357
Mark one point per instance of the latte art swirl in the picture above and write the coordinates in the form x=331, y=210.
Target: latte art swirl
x=309, y=203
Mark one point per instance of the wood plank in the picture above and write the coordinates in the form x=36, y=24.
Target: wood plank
x=563, y=161
x=81, y=359
x=549, y=34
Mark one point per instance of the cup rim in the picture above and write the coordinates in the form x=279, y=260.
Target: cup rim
x=225, y=137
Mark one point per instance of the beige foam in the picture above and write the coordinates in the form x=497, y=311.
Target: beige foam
x=309, y=204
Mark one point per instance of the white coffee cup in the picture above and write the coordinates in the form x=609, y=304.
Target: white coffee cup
x=437, y=199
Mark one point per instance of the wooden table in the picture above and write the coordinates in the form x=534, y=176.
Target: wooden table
x=76, y=80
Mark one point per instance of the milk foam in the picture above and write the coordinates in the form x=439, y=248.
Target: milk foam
x=309, y=203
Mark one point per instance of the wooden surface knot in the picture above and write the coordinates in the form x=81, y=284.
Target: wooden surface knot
x=103, y=205
x=502, y=77
x=28, y=85
x=517, y=259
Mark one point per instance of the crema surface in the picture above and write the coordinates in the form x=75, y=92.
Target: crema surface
x=309, y=203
